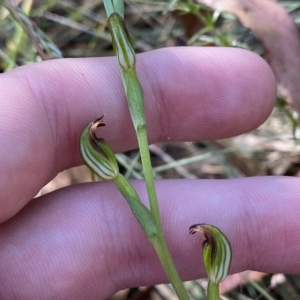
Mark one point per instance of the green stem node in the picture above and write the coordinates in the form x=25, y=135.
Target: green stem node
x=140, y=211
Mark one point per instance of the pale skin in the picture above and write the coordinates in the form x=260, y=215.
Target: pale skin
x=82, y=242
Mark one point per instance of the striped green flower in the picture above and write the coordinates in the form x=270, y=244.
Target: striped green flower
x=96, y=153
x=217, y=252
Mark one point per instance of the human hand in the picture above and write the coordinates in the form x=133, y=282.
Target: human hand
x=82, y=242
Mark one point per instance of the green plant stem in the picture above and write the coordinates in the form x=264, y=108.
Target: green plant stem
x=165, y=258
x=159, y=243
x=213, y=291
x=140, y=211
x=134, y=95
x=153, y=233
x=126, y=57
x=147, y=168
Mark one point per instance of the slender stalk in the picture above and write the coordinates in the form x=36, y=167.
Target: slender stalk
x=165, y=258
x=213, y=291
x=123, y=47
x=159, y=244
x=147, y=167
x=153, y=233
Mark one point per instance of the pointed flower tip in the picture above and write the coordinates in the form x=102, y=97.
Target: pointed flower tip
x=97, y=123
x=96, y=153
x=217, y=252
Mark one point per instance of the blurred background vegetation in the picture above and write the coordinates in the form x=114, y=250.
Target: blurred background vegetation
x=35, y=30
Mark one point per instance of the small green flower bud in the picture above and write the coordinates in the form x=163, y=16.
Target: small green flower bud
x=121, y=41
x=96, y=153
x=217, y=253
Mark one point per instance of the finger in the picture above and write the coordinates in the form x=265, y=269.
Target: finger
x=83, y=242
x=190, y=94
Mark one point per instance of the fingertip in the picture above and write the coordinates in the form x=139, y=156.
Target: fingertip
x=257, y=94
x=206, y=93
